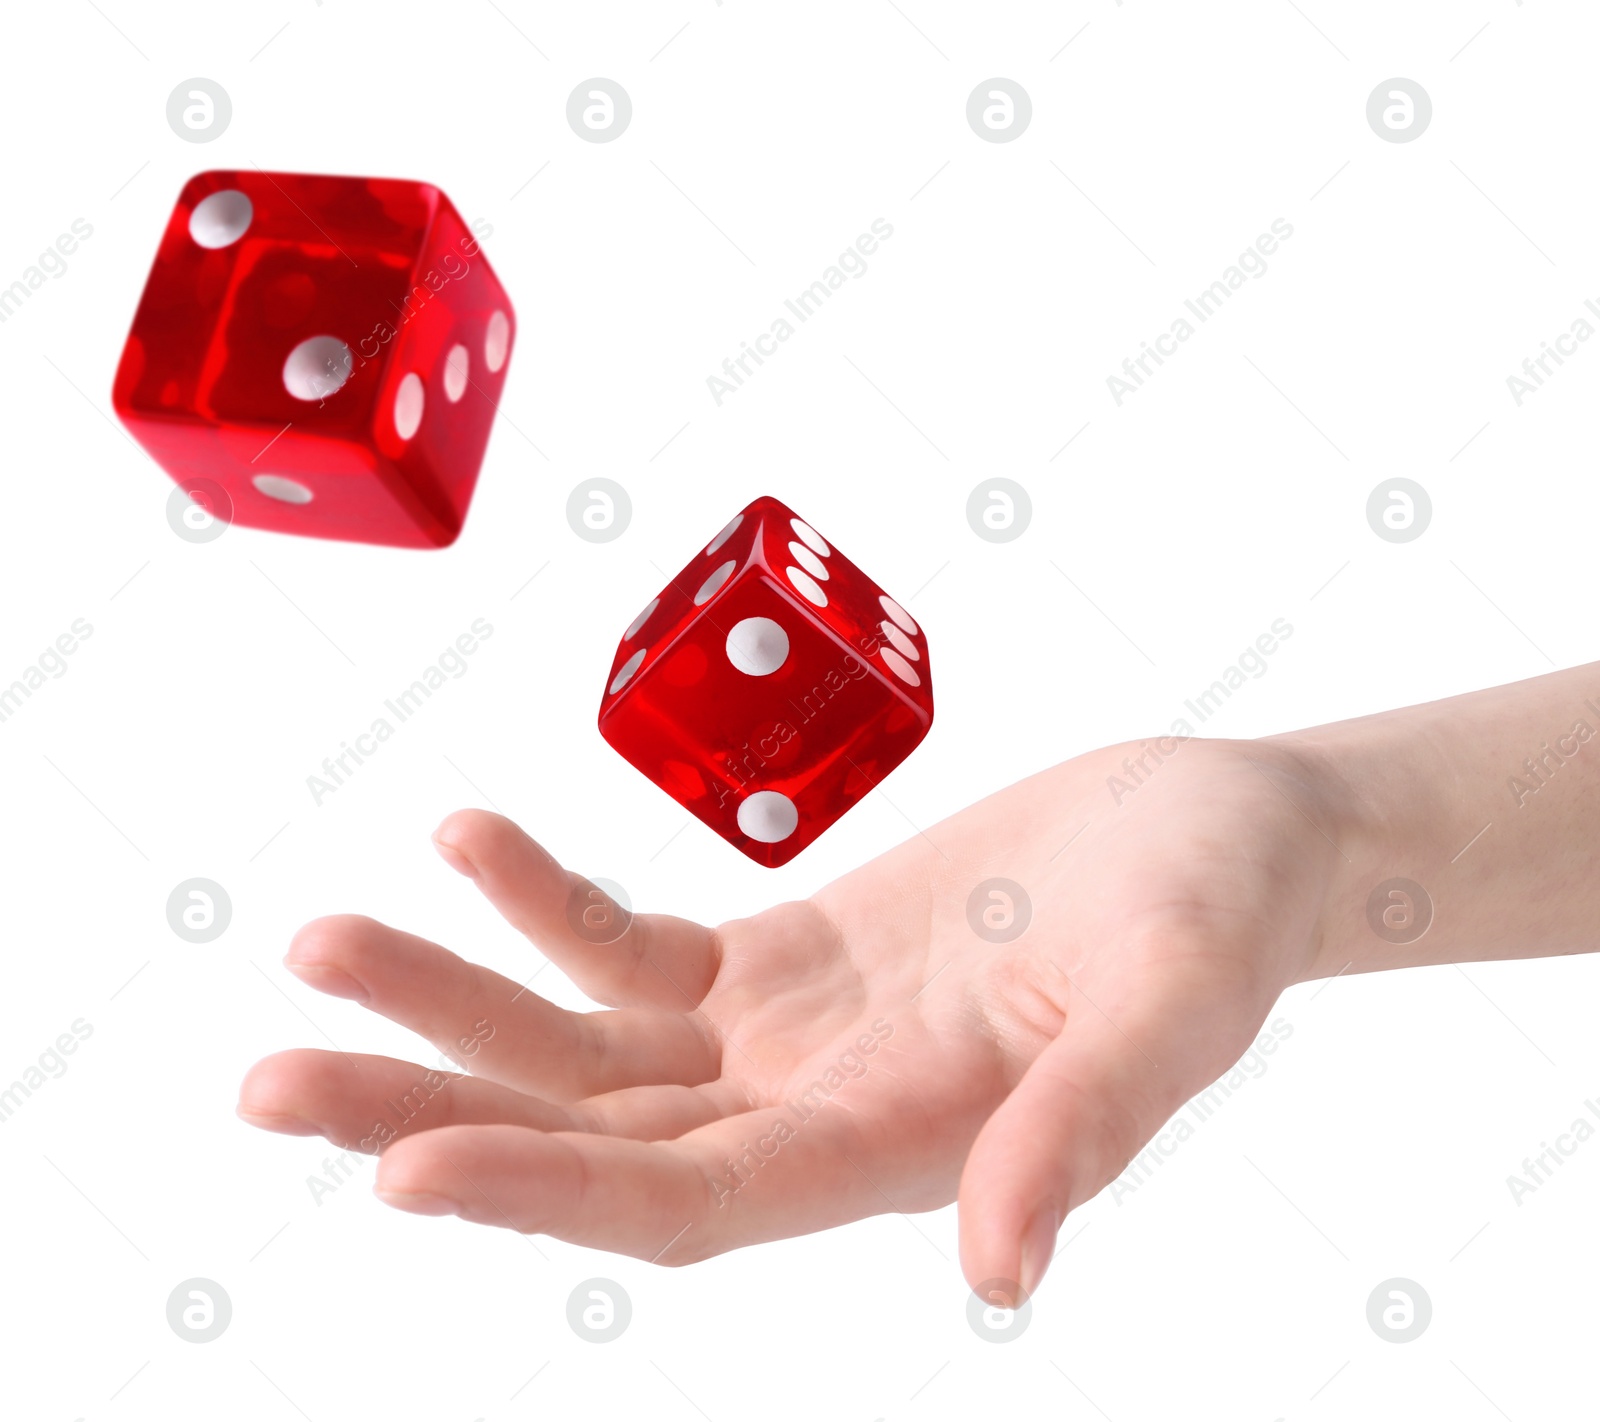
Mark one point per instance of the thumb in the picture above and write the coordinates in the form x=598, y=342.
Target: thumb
x=1089, y=1103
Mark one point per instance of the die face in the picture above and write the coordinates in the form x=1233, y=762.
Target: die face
x=844, y=597
x=272, y=348
x=454, y=347
x=765, y=715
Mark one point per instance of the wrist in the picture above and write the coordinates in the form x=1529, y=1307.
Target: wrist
x=1375, y=794
x=1466, y=829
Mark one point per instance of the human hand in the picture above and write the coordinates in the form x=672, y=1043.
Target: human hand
x=865, y=1050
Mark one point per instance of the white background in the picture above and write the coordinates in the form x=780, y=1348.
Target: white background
x=1227, y=493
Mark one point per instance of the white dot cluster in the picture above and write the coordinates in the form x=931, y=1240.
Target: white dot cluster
x=899, y=628
x=808, y=572
x=628, y=668
x=758, y=646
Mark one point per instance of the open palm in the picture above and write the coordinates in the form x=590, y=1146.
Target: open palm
x=911, y=1033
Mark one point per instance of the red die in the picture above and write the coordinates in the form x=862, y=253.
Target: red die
x=770, y=687
x=329, y=351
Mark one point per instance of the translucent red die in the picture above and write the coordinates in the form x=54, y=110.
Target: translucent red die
x=770, y=686
x=329, y=351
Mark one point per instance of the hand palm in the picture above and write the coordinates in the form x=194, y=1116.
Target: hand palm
x=866, y=1050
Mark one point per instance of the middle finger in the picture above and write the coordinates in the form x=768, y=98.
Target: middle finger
x=493, y=1027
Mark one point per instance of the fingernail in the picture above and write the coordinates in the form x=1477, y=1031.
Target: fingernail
x=1038, y=1249
x=276, y=1121
x=333, y=981
x=418, y=1202
x=456, y=859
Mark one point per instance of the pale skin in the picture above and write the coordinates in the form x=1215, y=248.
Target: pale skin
x=1017, y=1078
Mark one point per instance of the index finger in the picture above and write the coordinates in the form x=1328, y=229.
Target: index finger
x=617, y=957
